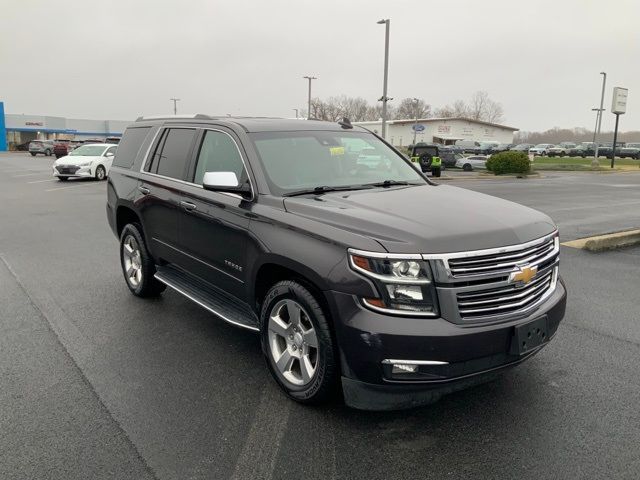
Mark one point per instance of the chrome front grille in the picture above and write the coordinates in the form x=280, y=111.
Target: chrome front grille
x=496, y=284
x=496, y=302
x=504, y=262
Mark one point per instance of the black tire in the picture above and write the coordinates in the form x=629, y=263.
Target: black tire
x=435, y=171
x=148, y=286
x=101, y=173
x=63, y=179
x=33, y=154
x=47, y=153
x=562, y=154
x=322, y=385
x=467, y=167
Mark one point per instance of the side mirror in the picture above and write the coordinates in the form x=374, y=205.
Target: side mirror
x=109, y=155
x=225, y=182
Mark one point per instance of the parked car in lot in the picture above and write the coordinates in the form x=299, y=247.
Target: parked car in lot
x=522, y=147
x=585, y=149
x=501, y=147
x=88, y=161
x=349, y=277
x=472, y=163
x=561, y=149
x=467, y=146
x=630, y=150
x=114, y=140
x=45, y=147
x=541, y=149
x=485, y=148
x=61, y=148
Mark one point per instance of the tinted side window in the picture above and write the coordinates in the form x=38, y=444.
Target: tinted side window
x=110, y=150
x=219, y=153
x=173, y=158
x=129, y=146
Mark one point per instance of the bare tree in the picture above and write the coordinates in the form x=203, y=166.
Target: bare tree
x=410, y=108
x=458, y=109
x=481, y=107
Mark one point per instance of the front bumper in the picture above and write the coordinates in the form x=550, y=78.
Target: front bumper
x=82, y=172
x=457, y=355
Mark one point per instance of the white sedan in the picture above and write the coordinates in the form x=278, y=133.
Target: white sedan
x=87, y=161
x=471, y=163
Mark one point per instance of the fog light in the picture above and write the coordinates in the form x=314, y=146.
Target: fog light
x=403, y=368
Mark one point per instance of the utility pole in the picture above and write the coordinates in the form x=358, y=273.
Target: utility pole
x=309, y=97
x=415, y=125
x=384, y=97
x=595, y=128
x=595, y=162
x=175, y=105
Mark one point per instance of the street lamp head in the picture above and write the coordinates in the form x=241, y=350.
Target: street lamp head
x=383, y=21
x=603, y=73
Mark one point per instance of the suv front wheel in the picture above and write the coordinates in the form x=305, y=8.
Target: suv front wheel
x=138, y=266
x=297, y=343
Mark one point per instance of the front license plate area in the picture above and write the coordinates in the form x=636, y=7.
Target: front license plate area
x=529, y=336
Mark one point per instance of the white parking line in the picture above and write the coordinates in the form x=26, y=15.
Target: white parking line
x=70, y=186
x=42, y=181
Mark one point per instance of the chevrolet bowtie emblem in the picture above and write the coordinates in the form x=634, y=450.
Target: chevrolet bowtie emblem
x=523, y=274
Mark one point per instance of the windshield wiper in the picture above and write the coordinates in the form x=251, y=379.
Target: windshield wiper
x=325, y=189
x=391, y=183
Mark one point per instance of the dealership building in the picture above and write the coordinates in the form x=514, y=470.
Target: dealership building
x=18, y=129
x=446, y=131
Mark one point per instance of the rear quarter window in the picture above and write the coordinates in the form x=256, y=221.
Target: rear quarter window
x=129, y=146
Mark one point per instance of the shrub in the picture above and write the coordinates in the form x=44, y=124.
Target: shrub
x=509, y=162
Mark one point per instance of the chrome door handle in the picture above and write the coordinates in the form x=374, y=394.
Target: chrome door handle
x=188, y=206
x=144, y=190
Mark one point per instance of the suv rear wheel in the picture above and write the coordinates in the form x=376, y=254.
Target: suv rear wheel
x=297, y=343
x=137, y=265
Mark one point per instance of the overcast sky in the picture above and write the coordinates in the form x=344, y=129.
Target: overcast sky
x=119, y=59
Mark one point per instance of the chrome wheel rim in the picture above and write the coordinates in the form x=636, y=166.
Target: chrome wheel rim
x=293, y=343
x=100, y=173
x=132, y=261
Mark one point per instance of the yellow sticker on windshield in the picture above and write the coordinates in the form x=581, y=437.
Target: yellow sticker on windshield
x=336, y=151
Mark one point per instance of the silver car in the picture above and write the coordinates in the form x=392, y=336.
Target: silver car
x=472, y=163
x=44, y=147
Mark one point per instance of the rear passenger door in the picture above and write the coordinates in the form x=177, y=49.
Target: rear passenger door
x=159, y=192
x=213, y=226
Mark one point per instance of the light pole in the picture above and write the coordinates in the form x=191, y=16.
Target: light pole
x=175, y=105
x=384, y=98
x=595, y=128
x=309, y=98
x=415, y=125
x=296, y=110
x=604, y=82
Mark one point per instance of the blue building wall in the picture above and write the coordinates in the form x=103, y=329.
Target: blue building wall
x=3, y=130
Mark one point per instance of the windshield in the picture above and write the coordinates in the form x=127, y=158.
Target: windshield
x=88, y=151
x=300, y=160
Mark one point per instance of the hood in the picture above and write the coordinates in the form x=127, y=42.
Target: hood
x=426, y=219
x=75, y=159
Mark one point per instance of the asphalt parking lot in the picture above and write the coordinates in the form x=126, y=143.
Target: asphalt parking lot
x=99, y=384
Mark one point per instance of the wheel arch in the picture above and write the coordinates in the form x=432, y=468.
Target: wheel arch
x=276, y=268
x=124, y=216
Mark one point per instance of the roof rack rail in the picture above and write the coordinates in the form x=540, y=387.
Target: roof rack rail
x=196, y=116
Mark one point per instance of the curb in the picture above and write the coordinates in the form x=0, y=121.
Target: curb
x=610, y=241
x=492, y=177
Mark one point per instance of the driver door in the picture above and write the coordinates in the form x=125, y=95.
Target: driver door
x=213, y=226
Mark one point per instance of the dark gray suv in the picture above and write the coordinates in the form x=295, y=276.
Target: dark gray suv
x=352, y=282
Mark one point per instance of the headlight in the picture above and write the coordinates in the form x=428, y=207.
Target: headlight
x=405, y=284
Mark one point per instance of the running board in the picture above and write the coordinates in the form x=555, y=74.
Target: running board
x=206, y=295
